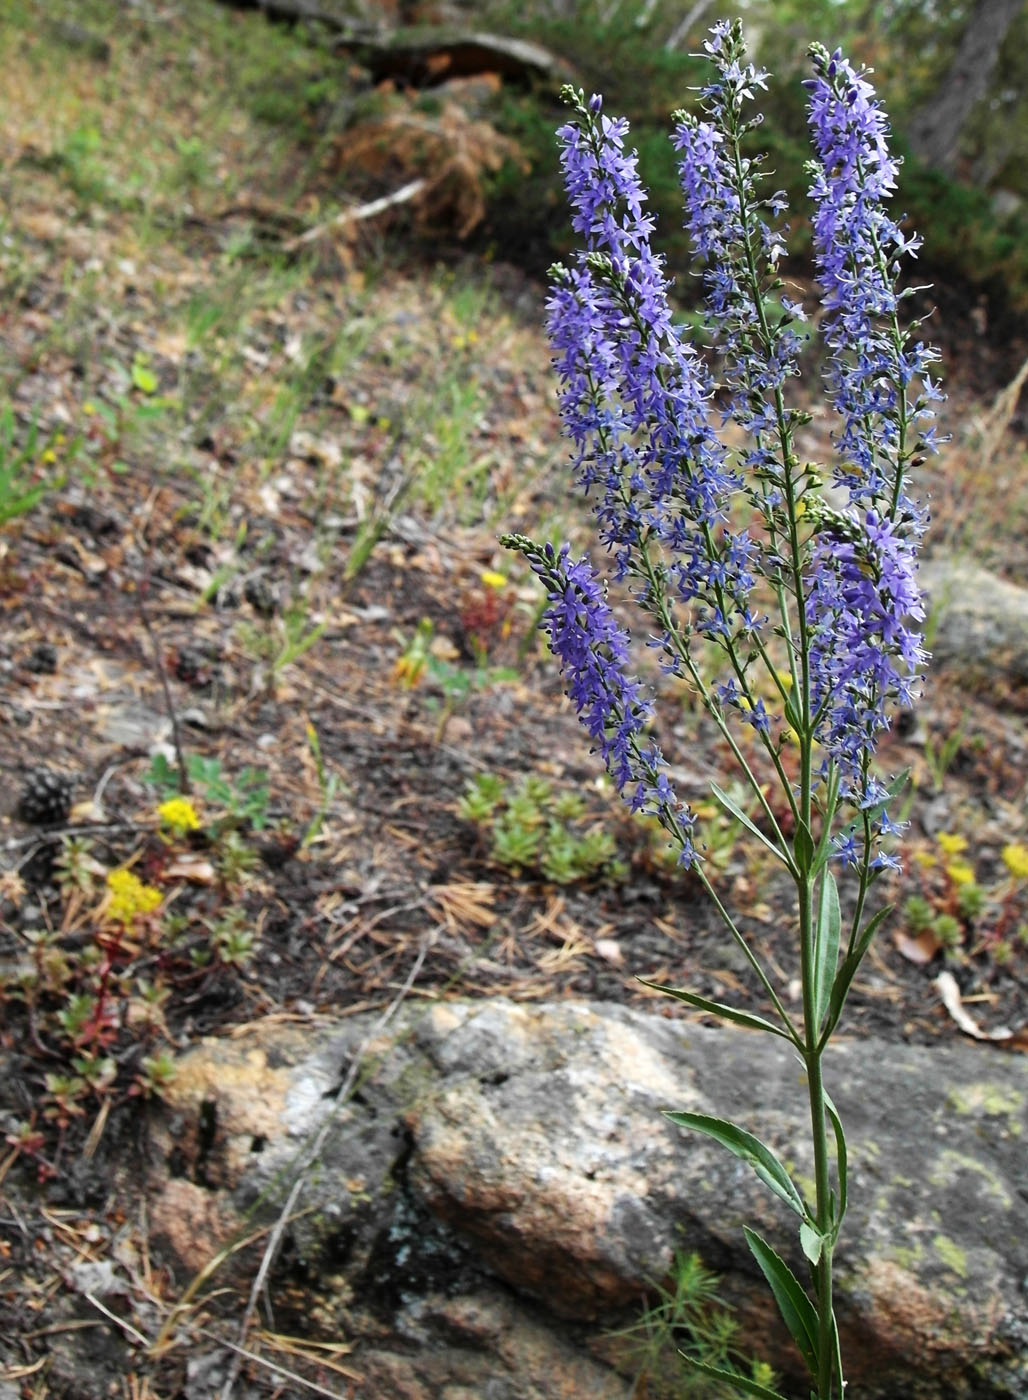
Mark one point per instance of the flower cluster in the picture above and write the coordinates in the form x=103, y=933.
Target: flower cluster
x=593, y=651
x=635, y=395
x=179, y=815
x=728, y=220
x=858, y=248
x=862, y=595
x=698, y=526
x=128, y=897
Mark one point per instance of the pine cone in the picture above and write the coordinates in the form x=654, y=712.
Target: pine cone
x=45, y=798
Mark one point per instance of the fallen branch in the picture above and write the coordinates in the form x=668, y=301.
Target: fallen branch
x=352, y=216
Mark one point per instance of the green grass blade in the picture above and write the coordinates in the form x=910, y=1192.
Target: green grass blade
x=742, y=1383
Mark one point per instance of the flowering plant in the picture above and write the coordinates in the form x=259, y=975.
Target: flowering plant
x=799, y=577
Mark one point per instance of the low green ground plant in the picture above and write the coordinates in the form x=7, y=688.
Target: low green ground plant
x=531, y=829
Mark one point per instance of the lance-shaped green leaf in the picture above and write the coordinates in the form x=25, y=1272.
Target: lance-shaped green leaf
x=803, y=847
x=797, y=1310
x=826, y=945
x=730, y=805
x=848, y=970
x=748, y=1149
x=717, y=1008
x=741, y=1383
x=841, y=1164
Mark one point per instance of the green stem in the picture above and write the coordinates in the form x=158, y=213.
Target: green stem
x=826, y=1341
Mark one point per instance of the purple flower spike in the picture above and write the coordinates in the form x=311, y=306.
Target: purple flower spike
x=858, y=247
x=593, y=652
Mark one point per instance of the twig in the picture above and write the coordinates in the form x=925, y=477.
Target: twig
x=243, y=1355
x=363, y=211
x=176, y=734
x=133, y=1333
x=682, y=29
x=308, y=1157
x=43, y=838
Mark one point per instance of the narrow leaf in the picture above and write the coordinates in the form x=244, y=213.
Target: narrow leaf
x=840, y=1147
x=797, y=1310
x=717, y=1008
x=748, y=1149
x=826, y=945
x=812, y=1242
x=733, y=807
x=803, y=847
x=848, y=969
x=742, y=1383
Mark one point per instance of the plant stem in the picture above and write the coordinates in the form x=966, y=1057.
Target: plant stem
x=822, y=1271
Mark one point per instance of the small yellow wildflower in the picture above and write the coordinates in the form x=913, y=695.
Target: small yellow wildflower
x=179, y=814
x=129, y=897
x=1015, y=858
x=952, y=843
x=49, y=456
x=492, y=579
x=925, y=859
x=960, y=872
x=89, y=408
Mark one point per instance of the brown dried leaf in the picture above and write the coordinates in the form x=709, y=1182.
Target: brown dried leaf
x=946, y=985
x=919, y=950
x=196, y=869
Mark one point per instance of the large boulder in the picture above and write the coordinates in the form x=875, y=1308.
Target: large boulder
x=978, y=627
x=504, y=1170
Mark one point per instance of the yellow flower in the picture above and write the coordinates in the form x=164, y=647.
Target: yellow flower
x=1015, y=858
x=89, y=408
x=952, y=844
x=960, y=872
x=925, y=859
x=180, y=814
x=129, y=897
x=492, y=579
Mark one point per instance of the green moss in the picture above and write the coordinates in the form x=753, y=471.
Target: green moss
x=951, y=1254
x=988, y=1099
x=948, y=1166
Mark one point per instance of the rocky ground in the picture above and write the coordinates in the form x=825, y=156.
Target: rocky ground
x=266, y=544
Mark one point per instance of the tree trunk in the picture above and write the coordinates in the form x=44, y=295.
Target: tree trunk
x=935, y=130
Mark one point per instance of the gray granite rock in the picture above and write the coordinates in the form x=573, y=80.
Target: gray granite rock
x=517, y=1153
x=978, y=625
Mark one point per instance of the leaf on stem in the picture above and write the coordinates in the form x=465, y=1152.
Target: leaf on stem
x=826, y=946
x=803, y=847
x=798, y=1312
x=812, y=1242
x=748, y=1149
x=730, y=805
x=840, y=1146
x=742, y=1383
x=848, y=970
x=717, y=1008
